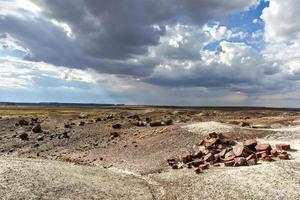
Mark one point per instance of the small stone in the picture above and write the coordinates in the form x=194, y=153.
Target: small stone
x=40, y=138
x=209, y=157
x=175, y=166
x=241, y=151
x=37, y=129
x=117, y=126
x=284, y=147
x=114, y=134
x=204, y=166
x=252, y=156
x=196, y=163
x=198, y=170
x=185, y=158
x=229, y=153
x=283, y=156
x=23, y=122
x=82, y=123
x=274, y=152
x=216, y=165
x=240, y=161
x=266, y=157
x=263, y=147
x=23, y=136
x=229, y=163
x=250, y=143
x=252, y=161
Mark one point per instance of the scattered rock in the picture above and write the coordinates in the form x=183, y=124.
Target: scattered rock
x=114, y=134
x=117, y=126
x=37, y=129
x=40, y=138
x=23, y=122
x=82, y=123
x=283, y=156
x=23, y=136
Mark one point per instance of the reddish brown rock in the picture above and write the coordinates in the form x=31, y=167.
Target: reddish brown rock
x=217, y=165
x=283, y=156
x=252, y=156
x=229, y=163
x=204, y=166
x=284, y=147
x=197, y=163
x=185, y=158
x=175, y=166
x=263, y=147
x=266, y=157
x=258, y=154
x=198, y=170
x=240, y=161
x=240, y=150
x=229, y=153
x=229, y=158
x=198, y=154
x=209, y=157
x=274, y=152
x=250, y=143
x=252, y=161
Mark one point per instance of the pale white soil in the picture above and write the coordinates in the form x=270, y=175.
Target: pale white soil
x=208, y=127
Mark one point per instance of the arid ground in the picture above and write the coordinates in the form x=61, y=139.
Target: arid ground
x=97, y=153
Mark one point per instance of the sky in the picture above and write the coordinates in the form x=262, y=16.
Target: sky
x=162, y=52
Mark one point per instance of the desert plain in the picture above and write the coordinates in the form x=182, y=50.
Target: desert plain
x=105, y=153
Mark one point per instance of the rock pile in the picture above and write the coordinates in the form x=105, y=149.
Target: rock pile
x=218, y=149
x=137, y=121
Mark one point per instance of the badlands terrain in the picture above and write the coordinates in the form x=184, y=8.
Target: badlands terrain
x=114, y=153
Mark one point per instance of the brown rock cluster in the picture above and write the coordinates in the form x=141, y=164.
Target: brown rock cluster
x=137, y=121
x=219, y=149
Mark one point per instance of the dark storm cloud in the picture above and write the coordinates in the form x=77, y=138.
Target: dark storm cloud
x=108, y=32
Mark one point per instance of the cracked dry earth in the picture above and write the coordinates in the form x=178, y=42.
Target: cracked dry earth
x=89, y=162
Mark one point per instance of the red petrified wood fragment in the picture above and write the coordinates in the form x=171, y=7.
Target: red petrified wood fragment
x=284, y=147
x=240, y=150
x=263, y=147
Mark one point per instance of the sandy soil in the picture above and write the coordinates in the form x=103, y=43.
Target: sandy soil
x=92, y=163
